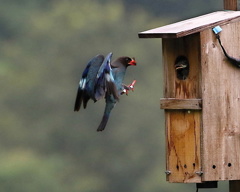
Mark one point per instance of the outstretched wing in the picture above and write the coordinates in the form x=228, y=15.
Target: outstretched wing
x=87, y=82
x=105, y=81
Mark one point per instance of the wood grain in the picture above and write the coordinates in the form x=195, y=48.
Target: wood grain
x=172, y=103
x=188, y=46
x=221, y=105
x=183, y=144
x=205, y=140
x=182, y=128
x=231, y=5
x=234, y=186
x=193, y=25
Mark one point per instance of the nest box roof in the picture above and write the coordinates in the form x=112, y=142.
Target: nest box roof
x=193, y=25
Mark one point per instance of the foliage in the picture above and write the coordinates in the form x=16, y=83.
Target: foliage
x=45, y=146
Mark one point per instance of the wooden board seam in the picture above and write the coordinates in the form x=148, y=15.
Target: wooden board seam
x=172, y=103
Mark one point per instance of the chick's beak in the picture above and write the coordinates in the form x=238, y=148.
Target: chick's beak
x=180, y=66
x=133, y=62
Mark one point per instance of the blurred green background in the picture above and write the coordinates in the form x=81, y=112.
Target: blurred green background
x=44, y=47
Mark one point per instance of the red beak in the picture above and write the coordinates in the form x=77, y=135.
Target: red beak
x=132, y=62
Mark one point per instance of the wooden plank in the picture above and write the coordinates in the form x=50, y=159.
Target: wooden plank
x=231, y=5
x=172, y=103
x=234, y=186
x=182, y=128
x=221, y=105
x=193, y=25
x=183, y=145
x=189, y=47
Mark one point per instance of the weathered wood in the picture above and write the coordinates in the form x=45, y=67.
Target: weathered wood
x=206, y=140
x=192, y=26
x=189, y=47
x=183, y=146
x=231, y=5
x=221, y=105
x=234, y=186
x=172, y=103
x=182, y=128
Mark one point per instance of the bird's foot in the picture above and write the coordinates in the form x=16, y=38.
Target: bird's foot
x=128, y=88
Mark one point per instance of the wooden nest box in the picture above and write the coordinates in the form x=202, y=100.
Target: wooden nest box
x=202, y=104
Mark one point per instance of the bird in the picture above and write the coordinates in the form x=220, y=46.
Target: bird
x=182, y=67
x=104, y=79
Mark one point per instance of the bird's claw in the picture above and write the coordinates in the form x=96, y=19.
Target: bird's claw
x=124, y=91
x=131, y=86
x=128, y=87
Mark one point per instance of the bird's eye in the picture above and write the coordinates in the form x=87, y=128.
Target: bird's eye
x=128, y=59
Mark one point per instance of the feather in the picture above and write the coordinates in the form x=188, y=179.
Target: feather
x=78, y=101
x=102, y=79
x=111, y=87
x=103, y=123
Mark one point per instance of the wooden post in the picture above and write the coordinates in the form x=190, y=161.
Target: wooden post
x=234, y=186
x=230, y=5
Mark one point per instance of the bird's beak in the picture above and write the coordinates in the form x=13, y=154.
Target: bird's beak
x=132, y=62
x=180, y=66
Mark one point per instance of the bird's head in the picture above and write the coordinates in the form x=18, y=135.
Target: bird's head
x=131, y=61
x=127, y=61
x=182, y=67
x=181, y=63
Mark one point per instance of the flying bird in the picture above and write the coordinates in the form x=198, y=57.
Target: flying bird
x=103, y=79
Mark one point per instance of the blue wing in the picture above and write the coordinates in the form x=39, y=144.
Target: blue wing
x=87, y=82
x=97, y=81
x=105, y=83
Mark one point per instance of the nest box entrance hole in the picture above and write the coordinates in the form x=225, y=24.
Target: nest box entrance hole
x=182, y=67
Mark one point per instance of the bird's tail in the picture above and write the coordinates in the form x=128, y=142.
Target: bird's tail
x=110, y=103
x=103, y=123
x=82, y=97
x=78, y=101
